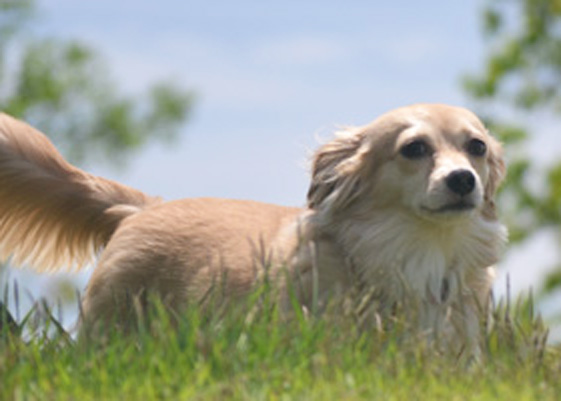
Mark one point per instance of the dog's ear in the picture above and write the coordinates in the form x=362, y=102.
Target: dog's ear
x=497, y=173
x=336, y=166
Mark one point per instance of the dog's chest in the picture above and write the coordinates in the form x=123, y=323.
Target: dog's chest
x=401, y=258
x=410, y=266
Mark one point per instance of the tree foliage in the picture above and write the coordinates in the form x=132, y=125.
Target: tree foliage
x=521, y=75
x=64, y=87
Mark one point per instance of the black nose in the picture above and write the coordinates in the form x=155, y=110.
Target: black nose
x=461, y=182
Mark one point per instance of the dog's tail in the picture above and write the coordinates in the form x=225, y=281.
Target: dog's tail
x=52, y=214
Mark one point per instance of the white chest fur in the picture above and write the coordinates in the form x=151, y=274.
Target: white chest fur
x=403, y=254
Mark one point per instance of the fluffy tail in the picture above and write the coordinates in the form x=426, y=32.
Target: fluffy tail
x=52, y=214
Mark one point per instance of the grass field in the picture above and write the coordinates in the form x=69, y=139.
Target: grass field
x=252, y=353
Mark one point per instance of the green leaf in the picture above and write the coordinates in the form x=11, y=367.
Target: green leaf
x=65, y=89
x=552, y=281
x=492, y=21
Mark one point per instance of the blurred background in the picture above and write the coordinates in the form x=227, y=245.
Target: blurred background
x=183, y=99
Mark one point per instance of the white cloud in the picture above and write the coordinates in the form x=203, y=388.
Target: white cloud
x=414, y=48
x=252, y=76
x=302, y=51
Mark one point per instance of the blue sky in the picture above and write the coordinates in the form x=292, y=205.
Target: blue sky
x=272, y=77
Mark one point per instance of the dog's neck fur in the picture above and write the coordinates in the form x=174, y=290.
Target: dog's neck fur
x=430, y=259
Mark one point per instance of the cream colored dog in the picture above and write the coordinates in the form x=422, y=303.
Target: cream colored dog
x=404, y=204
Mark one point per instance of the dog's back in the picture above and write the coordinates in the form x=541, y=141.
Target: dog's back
x=181, y=250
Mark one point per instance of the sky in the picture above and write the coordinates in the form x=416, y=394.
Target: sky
x=271, y=79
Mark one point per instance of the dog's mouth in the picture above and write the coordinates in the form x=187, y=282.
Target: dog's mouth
x=456, y=207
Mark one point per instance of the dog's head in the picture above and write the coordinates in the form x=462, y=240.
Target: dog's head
x=436, y=161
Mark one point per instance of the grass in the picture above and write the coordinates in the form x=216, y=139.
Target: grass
x=252, y=352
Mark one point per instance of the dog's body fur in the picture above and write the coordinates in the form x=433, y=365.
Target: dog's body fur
x=382, y=211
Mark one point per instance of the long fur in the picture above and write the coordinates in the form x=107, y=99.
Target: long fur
x=444, y=266
x=52, y=214
x=373, y=217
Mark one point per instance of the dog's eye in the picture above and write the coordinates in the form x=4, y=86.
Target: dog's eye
x=476, y=147
x=415, y=149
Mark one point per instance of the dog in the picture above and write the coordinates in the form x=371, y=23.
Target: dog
x=404, y=204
